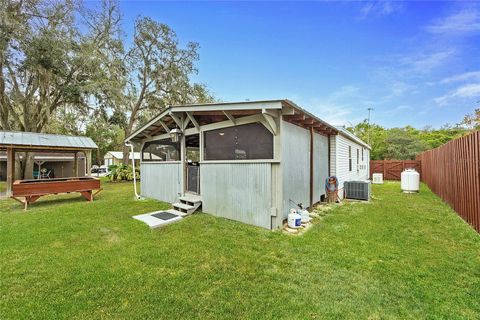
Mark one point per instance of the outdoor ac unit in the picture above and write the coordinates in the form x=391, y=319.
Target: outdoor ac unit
x=377, y=178
x=359, y=190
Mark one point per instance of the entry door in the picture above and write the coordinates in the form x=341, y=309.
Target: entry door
x=193, y=164
x=193, y=178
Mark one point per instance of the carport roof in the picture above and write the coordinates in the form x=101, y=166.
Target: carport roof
x=44, y=141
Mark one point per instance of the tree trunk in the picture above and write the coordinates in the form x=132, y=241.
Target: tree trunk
x=18, y=166
x=126, y=150
x=28, y=165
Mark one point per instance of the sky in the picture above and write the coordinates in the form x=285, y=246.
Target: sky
x=415, y=63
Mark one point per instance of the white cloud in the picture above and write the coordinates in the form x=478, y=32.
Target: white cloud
x=403, y=107
x=380, y=8
x=335, y=114
x=461, y=22
x=344, y=92
x=472, y=75
x=471, y=90
x=427, y=61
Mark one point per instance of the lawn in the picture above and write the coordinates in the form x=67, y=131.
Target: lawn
x=400, y=256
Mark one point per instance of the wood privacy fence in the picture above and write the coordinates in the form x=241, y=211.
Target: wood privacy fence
x=452, y=171
x=392, y=169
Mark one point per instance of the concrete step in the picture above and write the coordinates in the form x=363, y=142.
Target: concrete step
x=191, y=199
x=186, y=208
x=178, y=213
x=183, y=206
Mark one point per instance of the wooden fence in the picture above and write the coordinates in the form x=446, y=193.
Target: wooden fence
x=392, y=169
x=452, y=171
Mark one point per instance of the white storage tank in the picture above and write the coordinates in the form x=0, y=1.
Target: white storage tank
x=410, y=181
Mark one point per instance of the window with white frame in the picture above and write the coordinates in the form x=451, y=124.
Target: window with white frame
x=349, y=158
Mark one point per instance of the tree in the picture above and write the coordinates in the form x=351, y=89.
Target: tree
x=47, y=62
x=401, y=144
x=373, y=132
x=153, y=73
x=106, y=134
x=472, y=121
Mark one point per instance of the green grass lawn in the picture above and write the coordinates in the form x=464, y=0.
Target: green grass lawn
x=401, y=256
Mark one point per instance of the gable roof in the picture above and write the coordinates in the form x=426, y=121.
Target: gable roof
x=156, y=125
x=44, y=141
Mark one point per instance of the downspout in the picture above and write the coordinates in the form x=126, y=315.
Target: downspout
x=329, y=157
x=129, y=144
x=311, y=168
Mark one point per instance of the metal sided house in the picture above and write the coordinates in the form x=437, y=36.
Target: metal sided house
x=246, y=161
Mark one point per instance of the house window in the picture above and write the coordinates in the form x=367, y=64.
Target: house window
x=358, y=159
x=349, y=158
x=362, y=153
x=161, y=150
x=245, y=142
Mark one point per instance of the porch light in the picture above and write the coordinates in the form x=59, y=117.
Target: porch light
x=175, y=134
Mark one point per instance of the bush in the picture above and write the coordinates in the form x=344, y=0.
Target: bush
x=123, y=172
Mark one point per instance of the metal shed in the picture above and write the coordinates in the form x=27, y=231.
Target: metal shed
x=246, y=161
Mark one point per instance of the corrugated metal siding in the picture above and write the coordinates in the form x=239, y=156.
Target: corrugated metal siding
x=237, y=191
x=320, y=168
x=295, y=166
x=342, y=170
x=161, y=181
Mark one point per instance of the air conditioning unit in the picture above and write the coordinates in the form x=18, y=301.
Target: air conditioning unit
x=377, y=178
x=359, y=190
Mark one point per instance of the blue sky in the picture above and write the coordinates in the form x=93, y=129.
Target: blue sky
x=416, y=63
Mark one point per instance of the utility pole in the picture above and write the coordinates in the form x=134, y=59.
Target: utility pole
x=369, y=109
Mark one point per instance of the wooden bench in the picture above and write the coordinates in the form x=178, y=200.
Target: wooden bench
x=31, y=190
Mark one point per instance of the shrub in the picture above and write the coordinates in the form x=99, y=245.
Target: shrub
x=123, y=172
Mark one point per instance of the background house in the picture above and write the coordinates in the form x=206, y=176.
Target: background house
x=247, y=161
x=116, y=158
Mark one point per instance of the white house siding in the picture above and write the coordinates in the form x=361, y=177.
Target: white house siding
x=342, y=161
x=238, y=191
x=161, y=181
x=333, y=155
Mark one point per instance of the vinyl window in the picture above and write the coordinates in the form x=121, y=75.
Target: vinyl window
x=349, y=158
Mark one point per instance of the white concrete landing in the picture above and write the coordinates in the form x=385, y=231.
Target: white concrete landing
x=155, y=222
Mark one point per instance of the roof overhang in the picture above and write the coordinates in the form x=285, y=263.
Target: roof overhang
x=201, y=114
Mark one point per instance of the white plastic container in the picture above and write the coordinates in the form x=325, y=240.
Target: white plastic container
x=294, y=220
x=377, y=178
x=410, y=181
x=305, y=216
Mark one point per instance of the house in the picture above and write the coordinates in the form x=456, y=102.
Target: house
x=116, y=158
x=56, y=165
x=247, y=161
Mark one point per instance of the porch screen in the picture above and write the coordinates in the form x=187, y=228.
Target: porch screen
x=249, y=141
x=161, y=150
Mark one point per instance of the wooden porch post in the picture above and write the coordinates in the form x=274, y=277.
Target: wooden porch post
x=88, y=162
x=75, y=164
x=10, y=170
